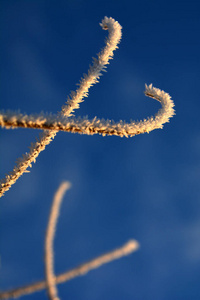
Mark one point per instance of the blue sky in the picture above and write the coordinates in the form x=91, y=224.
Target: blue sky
x=145, y=187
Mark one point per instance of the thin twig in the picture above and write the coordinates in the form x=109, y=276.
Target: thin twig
x=51, y=228
x=126, y=249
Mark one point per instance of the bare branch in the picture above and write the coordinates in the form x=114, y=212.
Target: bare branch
x=126, y=249
x=51, y=228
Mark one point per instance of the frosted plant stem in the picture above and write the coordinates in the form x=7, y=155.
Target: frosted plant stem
x=99, y=65
x=51, y=228
x=84, y=126
x=72, y=103
x=126, y=249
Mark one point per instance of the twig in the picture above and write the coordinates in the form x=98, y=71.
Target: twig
x=80, y=125
x=51, y=228
x=126, y=249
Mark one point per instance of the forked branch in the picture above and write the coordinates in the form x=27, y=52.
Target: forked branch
x=94, y=73
x=54, y=123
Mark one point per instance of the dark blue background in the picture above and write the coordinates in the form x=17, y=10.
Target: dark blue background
x=145, y=187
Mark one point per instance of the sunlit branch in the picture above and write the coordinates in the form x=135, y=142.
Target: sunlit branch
x=73, y=101
x=96, y=126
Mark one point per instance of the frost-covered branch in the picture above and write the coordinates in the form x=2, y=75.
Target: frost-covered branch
x=73, y=101
x=99, y=65
x=84, y=126
x=126, y=249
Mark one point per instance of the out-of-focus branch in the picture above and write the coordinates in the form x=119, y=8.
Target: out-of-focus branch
x=50, y=233
x=126, y=249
